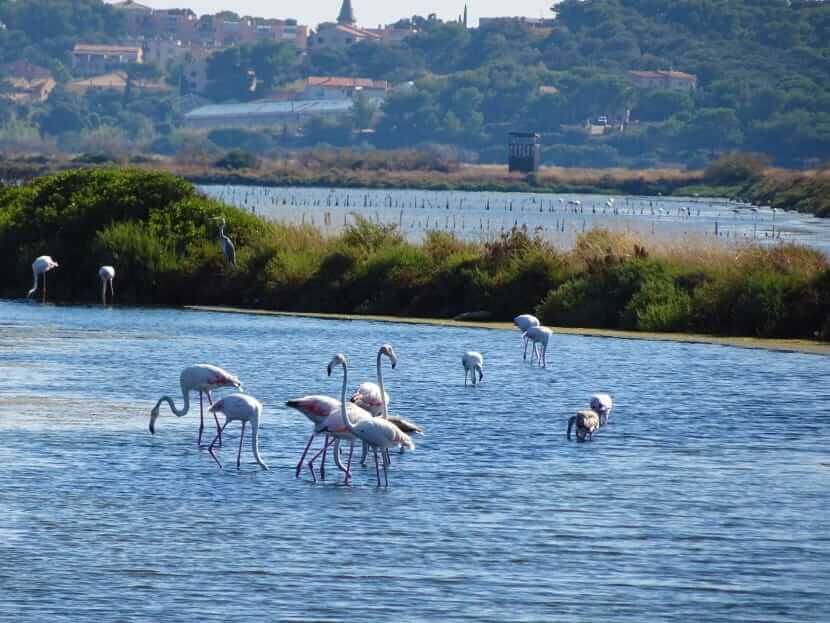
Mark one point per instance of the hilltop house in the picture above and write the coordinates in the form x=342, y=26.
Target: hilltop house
x=345, y=32
x=668, y=80
x=91, y=60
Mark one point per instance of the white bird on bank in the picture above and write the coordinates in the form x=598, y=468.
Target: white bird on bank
x=202, y=378
x=539, y=336
x=472, y=362
x=107, y=275
x=525, y=322
x=377, y=432
x=41, y=266
x=245, y=409
x=225, y=243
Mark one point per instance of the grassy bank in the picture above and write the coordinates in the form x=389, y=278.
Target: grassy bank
x=160, y=235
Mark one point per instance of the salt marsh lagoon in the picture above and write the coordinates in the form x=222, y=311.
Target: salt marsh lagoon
x=483, y=216
x=705, y=498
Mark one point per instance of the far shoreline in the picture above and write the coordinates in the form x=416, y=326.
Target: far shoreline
x=807, y=347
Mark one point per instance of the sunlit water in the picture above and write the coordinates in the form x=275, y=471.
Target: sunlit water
x=482, y=216
x=706, y=499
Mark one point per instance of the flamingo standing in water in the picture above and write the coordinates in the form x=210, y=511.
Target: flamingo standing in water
x=316, y=408
x=107, y=275
x=473, y=361
x=372, y=397
x=41, y=266
x=246, y=409
x=540, y=336
x=377, y=432
x=524, y=322
x=602, y=405
x=202, y=378
x=587, y=423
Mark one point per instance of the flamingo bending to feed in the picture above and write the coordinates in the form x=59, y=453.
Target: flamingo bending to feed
x=524, y=322
x=316, y=409
x=540, y=336
x=107, y=275
x=587, y=423
x=377, y=432
x=202, y=378
x=602, y=405
x=473, y=361
x=245, y=409
x=225, y=243
x=41, y=266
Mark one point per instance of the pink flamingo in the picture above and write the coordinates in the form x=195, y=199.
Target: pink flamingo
x=372, y=397
x=202, y=378
x=246, y=409
x=41, y=266
x=540, y=336
x=316, y=408
x=377, y=432
x=602, y=404
x=473, y=362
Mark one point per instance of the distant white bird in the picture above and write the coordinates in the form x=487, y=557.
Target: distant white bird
x=602, y=405
x=524, y=322
x=539, y=336
x=587, y=423
x=245, y=409
x=202, y=378
x=41, y=266
x=225, y=243
x=107, y=274
x=377, y=432
x=472, y=362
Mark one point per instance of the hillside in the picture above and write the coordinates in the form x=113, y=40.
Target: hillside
x=762, y=71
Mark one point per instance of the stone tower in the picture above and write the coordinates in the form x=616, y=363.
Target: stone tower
x=346, y=14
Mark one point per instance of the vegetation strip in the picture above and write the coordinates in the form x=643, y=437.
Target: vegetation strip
x=162, y=237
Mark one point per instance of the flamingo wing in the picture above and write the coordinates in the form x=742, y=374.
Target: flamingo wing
x=315, y=408
x=368, y=397
x=404, y=425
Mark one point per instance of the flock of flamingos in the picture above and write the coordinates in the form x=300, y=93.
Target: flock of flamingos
x=364, y=418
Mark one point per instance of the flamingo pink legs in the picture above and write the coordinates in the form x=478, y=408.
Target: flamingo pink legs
x=305, y=452
x=218, y=437
x=219, y=428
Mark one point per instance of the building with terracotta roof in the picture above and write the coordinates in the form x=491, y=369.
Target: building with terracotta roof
x=668, y=80
x=90, y=60
x=333, y=88
x=29, y=83
x=345, y=32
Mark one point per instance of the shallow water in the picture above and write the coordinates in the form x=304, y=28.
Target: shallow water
x=705, y=499
x=483, y=216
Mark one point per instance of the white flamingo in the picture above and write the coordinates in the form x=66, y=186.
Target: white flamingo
x=107, y=275
x=472, y=362
x=245, y=409
x=377, y=432
x=41, y=266
x=539, y=336
x=587, y=423
x=602, y=405
x=372, y=397
x=225, y=243
x=524, y=322
x=202, y=378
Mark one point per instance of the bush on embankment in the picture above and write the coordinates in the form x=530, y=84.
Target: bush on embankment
x=161, y=237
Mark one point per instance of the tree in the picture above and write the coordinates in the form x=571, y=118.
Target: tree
x=363, y=112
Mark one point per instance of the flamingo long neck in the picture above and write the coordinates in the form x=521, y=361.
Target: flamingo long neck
x=176, y=412
x=255, y=441
x=104, y=291
x=34, y=286
x=382, y=390
x=343, y=399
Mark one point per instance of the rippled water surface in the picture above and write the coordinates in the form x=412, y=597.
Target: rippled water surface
x=482, y=216
x=705, y=499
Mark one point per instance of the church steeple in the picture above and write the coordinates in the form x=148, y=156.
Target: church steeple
x=346, y=13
